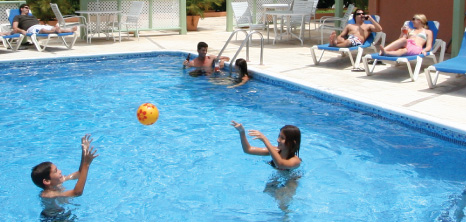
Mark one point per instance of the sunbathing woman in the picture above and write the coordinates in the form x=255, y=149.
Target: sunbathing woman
x=243, y=76
x=411, y=41
x=285, y=156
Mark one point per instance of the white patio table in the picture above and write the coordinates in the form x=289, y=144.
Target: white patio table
x=273, y=6
x=288, y=31
x=107, y=15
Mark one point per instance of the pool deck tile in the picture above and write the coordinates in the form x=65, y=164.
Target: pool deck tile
x=390, y=87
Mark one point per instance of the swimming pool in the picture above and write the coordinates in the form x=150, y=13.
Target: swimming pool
x=190, y=165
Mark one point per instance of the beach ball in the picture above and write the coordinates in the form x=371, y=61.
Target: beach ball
x=148, y=114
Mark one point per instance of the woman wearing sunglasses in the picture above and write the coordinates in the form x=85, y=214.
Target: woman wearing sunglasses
x=412, y=41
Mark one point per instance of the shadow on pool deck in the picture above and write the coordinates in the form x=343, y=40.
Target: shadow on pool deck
x=389, y=86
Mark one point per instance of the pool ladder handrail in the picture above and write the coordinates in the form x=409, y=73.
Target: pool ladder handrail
x=245, y=41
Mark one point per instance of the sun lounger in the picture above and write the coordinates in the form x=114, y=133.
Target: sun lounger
x=369, y=43
x=437, y=43
x=35, y=37
x=454, y=65
x=9, y=39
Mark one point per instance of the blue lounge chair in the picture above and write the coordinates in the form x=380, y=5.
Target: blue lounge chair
x=34, y=37
x=369, y=43
x=454, y=65
x=9, y=39
x=437, y=43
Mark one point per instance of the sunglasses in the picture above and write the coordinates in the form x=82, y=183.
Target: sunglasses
x=27, y=7
x=359, y=14
x=414, y=19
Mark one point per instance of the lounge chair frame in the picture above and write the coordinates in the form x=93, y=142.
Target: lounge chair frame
x=449, y=66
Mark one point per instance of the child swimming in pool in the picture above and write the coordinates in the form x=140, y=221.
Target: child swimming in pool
x=243, y=76
x=285, y=156
x=48, y=177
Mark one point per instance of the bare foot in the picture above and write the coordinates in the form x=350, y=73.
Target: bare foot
x=74, y=28
x=332, y=39
x=382, y=50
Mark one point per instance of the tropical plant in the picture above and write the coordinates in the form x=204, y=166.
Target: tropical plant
x=41, y=8
x=197, y=7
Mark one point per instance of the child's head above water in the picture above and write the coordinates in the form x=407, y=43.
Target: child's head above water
x=242, y=66
x=292, y=139
x=40, y=173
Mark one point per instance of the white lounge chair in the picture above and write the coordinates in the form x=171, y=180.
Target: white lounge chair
x=331, y=19
x=47, y=37
x=370, y=42
x=243, y=17
x=61, y=19
x=13, y=41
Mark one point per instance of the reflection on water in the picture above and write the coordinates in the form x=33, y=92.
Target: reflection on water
x=53, y=210
x=455, y=210
x=282, y=186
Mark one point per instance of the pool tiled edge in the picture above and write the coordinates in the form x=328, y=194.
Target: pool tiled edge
x=413, y=120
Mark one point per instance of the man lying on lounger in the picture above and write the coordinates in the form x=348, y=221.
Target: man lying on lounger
x=25, y=23
x=355, y=34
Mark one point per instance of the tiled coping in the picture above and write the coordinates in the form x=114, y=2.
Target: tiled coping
x=425, y=124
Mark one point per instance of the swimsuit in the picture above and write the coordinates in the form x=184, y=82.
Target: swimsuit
x=35, y=29
x=421, y=35
x=355, y=41
x=412, y=48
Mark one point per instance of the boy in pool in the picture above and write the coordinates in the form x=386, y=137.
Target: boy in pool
x=285, y=156
x=48, y=177
x=203, y=61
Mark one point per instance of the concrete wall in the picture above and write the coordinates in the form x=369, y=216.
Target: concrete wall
x=394, y=12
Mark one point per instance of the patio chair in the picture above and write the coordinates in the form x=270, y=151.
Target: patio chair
x=370, y=42
x=61, y=19
x=243, y=17
x=454, y=65
x=437, y=43
x=297, y=21
x=331, y=19
x=34, y=37
x=313, y=14
x=131, y=19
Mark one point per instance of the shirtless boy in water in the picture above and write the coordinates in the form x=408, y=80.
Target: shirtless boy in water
x=355, y=34
x=205, y=61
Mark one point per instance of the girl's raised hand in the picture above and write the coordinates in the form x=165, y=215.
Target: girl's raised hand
x=257, y=134
x=238, y=126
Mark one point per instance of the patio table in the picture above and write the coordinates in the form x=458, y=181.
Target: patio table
x=273, y=6
x=288, y=31
x=102, y=25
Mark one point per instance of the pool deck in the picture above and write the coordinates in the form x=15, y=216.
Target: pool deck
x=390, y=87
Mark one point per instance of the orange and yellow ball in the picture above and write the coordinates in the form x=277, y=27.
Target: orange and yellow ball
x=147, y=114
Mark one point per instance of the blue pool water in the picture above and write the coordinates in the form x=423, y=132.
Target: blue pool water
x=189, y=166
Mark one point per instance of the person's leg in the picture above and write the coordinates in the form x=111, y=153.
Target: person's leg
x=398, y=52
x=332, y=39
x=342, y=42
x=60, y=30
x=395, y=45
x=47, y=29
